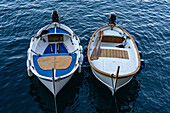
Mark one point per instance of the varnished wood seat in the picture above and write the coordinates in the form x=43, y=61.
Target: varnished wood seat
x=112, y=39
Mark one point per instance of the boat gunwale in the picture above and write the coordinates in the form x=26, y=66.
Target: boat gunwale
x=56, y=25
x=70, y=35
x=107, y=74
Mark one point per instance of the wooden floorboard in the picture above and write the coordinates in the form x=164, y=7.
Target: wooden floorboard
x=114, y=53
x=54, y=62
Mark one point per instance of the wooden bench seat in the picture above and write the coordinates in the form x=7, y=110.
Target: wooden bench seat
x=112, y=39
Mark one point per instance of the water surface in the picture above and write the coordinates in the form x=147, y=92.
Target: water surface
x=147, y=21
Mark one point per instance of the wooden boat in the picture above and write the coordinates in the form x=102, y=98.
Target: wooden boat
x=113, y=55
x=54, y=55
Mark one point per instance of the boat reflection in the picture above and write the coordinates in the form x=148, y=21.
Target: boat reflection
x=64, y=98
x=96, y=96
x=101, y=98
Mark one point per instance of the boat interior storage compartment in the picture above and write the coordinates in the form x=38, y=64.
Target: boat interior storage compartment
x=55, y=38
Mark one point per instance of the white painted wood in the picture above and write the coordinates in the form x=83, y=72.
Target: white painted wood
x=110, y=64
x=39, y=46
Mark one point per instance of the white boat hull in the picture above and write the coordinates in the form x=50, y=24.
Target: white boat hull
x=55, y=46
x=59, y=84
x=107, y=81
x=113, y=56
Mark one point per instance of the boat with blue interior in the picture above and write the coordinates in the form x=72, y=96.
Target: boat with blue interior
x=54, y=55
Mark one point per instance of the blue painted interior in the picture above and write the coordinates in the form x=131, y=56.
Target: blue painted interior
x=59, y=72
x=52, y=30
x=62, y=48
x=58, y=30
x=48, y=49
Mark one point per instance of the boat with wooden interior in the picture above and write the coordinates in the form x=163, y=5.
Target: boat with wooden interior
x=54, y=55
x=113, y=55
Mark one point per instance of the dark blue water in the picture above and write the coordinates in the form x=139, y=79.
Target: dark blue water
x=148, y=21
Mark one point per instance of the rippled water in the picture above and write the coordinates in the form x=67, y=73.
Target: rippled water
x=147, y=21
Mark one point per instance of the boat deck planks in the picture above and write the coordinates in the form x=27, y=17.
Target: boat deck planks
x=55, y=62
x=114, y=53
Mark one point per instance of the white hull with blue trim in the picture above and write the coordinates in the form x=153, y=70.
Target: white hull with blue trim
x=54, y=55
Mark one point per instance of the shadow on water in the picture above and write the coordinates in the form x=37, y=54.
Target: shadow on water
x=46, y=99
x=99, y=98
x=41, y=95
